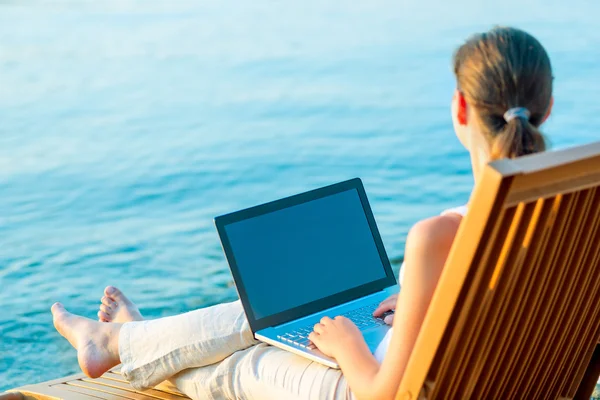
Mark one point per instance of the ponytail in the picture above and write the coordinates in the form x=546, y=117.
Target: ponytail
x=506, y=77
x=518, y=138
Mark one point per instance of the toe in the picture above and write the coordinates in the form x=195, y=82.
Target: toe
x=57, y=308
x=105, y=309
x=107, y=301
x=103, y=316
x=113, y=293
x=59, y=317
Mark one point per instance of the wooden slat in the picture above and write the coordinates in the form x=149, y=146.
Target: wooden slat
x=506, y=325
x=570, y=293
x=83, y=393
x=45, y=391
x=533, y=245
x=588, y=343
x=165, y=387
x=591, y=333
x=53, y=382
x=484, y=384
x=543, y=316
x=499, y=294
x=544, y=277
x=592, y=262
x=579, y=297
x=565, y=187
x=115, y=377
x=108, y=390
x=551, y=160
x=151, y=393
x=489, y=386
x=505, y=304
x=557, y=299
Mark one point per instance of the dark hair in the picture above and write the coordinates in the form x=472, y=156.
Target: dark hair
x=503, y=69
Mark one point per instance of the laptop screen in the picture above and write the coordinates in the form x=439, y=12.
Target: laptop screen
x=306, y=252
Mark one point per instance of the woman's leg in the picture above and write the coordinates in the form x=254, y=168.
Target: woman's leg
x=208, y=354
x=263, y=372
x=152, y=351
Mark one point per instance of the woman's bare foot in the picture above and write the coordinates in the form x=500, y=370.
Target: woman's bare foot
x=97, y=343
x=116, y=307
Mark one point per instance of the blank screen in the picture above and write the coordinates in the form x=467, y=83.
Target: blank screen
x=304, y=253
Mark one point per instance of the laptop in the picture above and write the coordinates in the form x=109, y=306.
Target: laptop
x=298, y=259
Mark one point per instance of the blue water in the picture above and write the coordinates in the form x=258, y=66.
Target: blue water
x=126, y=126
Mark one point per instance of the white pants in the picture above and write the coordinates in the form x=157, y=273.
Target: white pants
x=211, y=354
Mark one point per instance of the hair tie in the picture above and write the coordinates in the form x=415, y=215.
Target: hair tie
x=517, y=112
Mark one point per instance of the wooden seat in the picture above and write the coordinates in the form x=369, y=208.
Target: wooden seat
x=111, y=386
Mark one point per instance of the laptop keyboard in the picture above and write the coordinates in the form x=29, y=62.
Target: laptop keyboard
x=362, y=317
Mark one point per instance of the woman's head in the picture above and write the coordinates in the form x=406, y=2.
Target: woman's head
x=503, y=70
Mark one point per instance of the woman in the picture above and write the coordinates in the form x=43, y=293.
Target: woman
x=504, y=93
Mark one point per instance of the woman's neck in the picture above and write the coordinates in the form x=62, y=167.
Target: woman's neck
x=480, y=156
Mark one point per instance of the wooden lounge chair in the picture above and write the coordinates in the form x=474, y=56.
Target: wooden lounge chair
x=516, y=314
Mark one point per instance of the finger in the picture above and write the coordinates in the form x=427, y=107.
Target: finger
x=318, y=328
x=314, y=338
x=384, y=306
x=387, y=305
x=325, y=320
x=107, y=310
x=389, y=319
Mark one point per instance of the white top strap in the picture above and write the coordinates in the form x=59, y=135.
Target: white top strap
x=462, y=210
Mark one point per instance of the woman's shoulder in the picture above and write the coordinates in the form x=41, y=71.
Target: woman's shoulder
x=432, y=237
x=435, y=233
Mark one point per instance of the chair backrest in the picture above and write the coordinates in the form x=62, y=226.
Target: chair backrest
x=516, y=313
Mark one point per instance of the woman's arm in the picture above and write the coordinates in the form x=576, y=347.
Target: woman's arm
x=427, y=248
x=341, y=339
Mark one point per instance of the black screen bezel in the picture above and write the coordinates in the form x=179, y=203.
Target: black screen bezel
x=317, y=305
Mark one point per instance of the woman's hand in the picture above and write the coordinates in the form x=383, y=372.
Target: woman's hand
x=387, y=306
x=333, y=336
